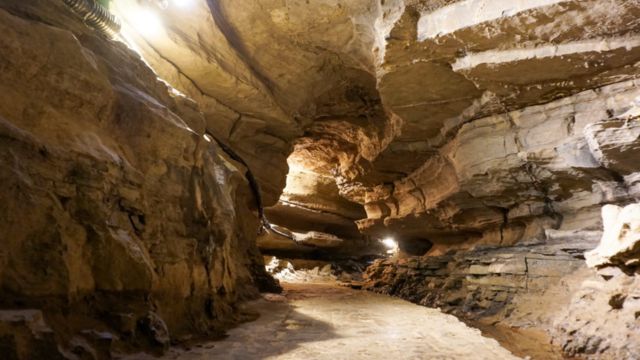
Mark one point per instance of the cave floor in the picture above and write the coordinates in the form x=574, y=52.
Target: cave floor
x=322, y=321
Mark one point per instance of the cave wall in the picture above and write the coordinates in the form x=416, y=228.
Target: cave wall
x=448, y=122
x=544, y=288
x=121, y=224
x=456, y=125
x=521, y=176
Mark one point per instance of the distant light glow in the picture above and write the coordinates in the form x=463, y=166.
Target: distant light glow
x=391, y=244
x=146, y=22
x=182, y=3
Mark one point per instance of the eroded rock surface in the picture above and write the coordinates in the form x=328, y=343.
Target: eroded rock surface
x=449, y=125
x=446, y=122
x=119, y=220
x=620, y=243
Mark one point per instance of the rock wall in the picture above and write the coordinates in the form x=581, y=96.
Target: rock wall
x=444, y=122
x=516, y=176
x=539, y=287
x=450, y=125
x=121, y=224
x=519, y=123
x=474, y=284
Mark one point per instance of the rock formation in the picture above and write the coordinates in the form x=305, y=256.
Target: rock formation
x=620, y=243
x=120, y=222
x=484, y=136
x=442, y=127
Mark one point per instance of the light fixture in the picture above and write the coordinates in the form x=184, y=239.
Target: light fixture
x=146, y=21
x=164, y=4
x=391, y=244
x=182, y=3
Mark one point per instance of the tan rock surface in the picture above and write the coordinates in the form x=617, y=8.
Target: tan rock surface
x=116, y=212
x=447, y=121
x=448, y=125
x=620, y=243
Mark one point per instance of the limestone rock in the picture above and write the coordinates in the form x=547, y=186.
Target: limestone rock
x=599, y=312
x=477, y=283
x=511, y=177
x=415, y=117
x=620, y=243
x=615, y=143
x=318, y=239
x=113, y=202
x=484, y=135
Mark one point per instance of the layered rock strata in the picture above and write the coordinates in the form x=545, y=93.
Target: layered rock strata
x=478, y=283
x=509, y=177
x=449, y=125
x=438, y=121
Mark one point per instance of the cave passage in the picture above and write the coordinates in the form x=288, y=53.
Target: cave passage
x=319, y=179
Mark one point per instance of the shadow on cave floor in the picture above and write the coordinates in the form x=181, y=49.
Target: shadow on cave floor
x=323, y=321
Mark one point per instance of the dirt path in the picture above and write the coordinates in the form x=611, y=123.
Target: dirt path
x=327, y=322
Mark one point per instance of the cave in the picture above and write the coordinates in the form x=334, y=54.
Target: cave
x=319, y=179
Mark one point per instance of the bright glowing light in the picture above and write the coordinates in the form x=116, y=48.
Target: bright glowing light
x=146, y=22
x=207, y=137
x=391, y=244
x=182, y=3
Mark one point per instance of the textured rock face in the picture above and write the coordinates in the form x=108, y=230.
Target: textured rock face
x=446, y=122
x=25, y=335
x=450, y=125
x=457, y=73
x=117, y=215
x=529, y=288
x=620, y=243
x=512, y=177
x=600, y=320
x=475, y=284
x=276, y=76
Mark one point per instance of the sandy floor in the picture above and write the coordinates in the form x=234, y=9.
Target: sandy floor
x=327, y=322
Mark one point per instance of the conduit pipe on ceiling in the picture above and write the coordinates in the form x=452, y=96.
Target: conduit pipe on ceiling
x=96, y=16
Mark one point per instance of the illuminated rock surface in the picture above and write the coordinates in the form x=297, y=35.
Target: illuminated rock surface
x=620, y=243
x=119, y=221
x=484, y=136
x=453, y=122
x=327, y=322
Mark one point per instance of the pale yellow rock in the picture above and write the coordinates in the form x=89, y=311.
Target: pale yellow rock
x=620, y=243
